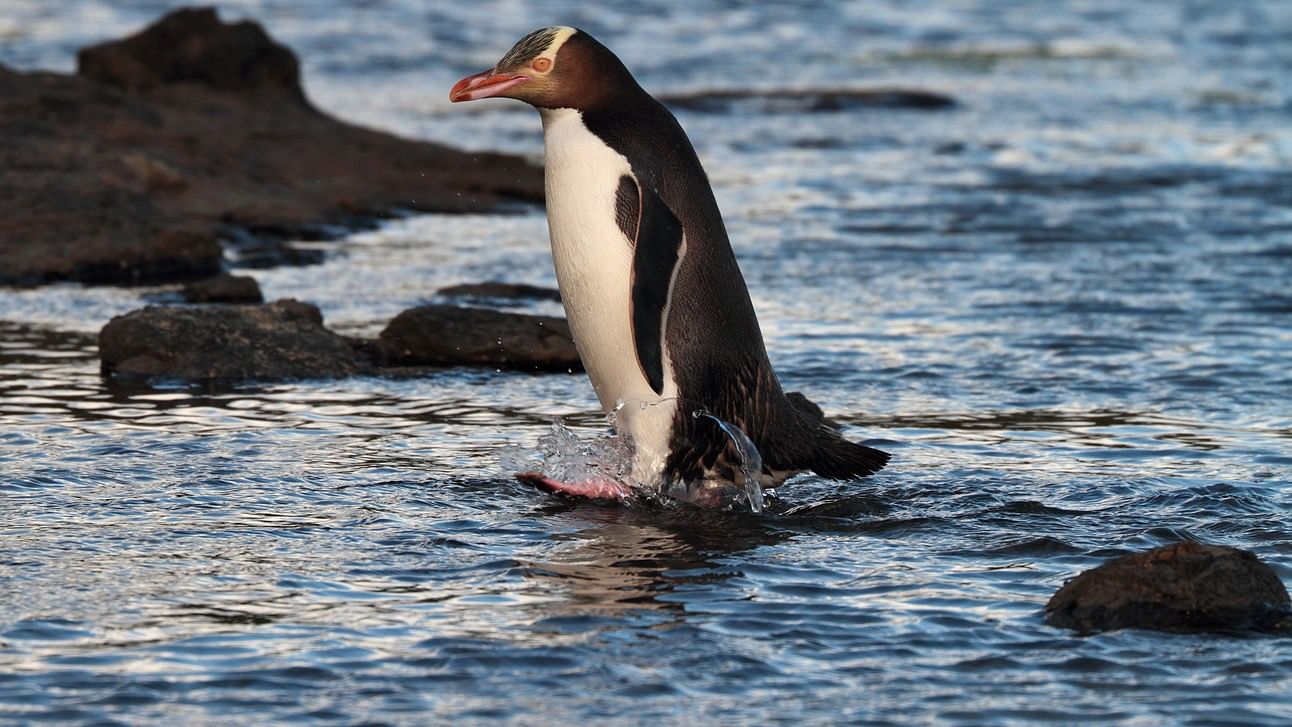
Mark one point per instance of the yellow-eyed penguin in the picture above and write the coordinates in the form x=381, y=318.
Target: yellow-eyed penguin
x=656, y=302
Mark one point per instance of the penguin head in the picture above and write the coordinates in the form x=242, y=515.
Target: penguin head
x=556, y=67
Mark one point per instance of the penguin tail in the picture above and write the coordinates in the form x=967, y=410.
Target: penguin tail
x=827, y=453
x=836, y=458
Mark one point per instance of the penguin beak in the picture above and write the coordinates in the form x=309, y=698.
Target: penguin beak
x=484, y=85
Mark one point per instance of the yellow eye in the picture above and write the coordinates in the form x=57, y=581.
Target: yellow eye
x=542, y=65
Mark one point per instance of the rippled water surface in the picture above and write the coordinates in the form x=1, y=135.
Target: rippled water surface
x=1063, y=305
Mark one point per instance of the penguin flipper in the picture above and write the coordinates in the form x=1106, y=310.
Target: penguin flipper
x=657, y=238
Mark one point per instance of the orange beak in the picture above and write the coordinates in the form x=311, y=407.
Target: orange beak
x=484, y=85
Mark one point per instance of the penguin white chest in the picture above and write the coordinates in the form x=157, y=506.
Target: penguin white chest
x=594, y=261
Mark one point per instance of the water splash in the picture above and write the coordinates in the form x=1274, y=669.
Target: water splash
x=562, y=454
x=751, y=461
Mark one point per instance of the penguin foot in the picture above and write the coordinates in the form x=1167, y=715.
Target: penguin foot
x=598, y=489
x=705, y=494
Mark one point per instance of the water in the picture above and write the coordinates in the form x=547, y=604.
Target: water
x=563, y=455
x=1063, y=307
x=751, y=463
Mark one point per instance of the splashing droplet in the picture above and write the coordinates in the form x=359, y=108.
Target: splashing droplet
x=751, y=461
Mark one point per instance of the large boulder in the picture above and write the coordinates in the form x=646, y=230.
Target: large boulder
x=445, y=335
x=282, y=340
x=1181, y=587
x=193, y=128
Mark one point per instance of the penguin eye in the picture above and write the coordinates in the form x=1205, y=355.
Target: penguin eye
x=542, y=65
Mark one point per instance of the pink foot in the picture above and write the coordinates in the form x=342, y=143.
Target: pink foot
x=598, y=489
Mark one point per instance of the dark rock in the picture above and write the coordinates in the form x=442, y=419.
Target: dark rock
x=286, y=340
x=281, y=340
x=501, y=291
x=127, y=172
x=810, y=100
x=224, y=288
x=1182, y=587
x=445, y=335
x=191, y=44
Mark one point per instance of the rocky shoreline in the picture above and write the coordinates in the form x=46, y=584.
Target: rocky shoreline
x=193, y=140
x=192, y=131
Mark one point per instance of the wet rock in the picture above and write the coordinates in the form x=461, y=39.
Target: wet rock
x=1182, y=587
x=282, y=340
x=132, y=170
x=224, y=288
x=444, y=335
x=286, y=339
x=495, y=290
x=810, y=100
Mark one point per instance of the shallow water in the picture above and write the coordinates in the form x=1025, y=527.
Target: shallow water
x=1062, y=306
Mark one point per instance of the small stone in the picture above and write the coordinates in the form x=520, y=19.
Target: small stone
x=224, y=288
x=496, y=290
x=1181, y=587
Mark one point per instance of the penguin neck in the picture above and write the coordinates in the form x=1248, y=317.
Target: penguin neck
x=552, y=116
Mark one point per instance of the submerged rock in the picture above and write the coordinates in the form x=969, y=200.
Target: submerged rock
x=810, y=100
x=224, y=288
x=129, y=171
x=496, y=290
x=1181, y=587
x=284, y=339
x=440, y=335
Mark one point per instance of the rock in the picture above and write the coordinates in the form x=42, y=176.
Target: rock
x=445, y=335
x=286, y=340
x=224, y=288
x=192, y=45
x=811, y=100
x=1181, y=587
x=500, y=291
x=281, y=340
x=131, y=171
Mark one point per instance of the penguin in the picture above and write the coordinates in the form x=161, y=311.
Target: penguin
x=659, y=310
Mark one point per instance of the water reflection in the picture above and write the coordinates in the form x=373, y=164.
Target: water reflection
x=628, y=559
